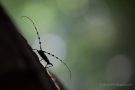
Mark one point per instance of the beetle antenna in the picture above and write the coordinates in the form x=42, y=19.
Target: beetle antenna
x=60, y=61
x=35, y=29
x=41, y=47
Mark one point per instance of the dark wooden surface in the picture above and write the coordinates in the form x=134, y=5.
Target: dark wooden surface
x=20, y=68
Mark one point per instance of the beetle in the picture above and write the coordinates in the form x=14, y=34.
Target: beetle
x=42, y=53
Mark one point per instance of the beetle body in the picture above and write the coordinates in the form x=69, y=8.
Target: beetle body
x=44, y=57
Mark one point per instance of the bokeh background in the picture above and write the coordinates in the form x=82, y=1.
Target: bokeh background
x=96, y=39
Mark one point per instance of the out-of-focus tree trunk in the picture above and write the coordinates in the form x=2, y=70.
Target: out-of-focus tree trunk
x=20, y=68
x=124, y=16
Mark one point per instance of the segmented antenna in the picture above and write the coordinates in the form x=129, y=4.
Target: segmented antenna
x=35, y=29
x=45, y=51
x=60, y=61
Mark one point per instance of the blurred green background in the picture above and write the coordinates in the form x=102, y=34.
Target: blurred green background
x=96, y=39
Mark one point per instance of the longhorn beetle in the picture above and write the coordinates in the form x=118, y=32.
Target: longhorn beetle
x=42, y=53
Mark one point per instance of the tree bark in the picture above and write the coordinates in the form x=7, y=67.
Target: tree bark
x=20, y=68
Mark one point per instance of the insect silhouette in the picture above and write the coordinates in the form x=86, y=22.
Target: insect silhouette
x=42, y=53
